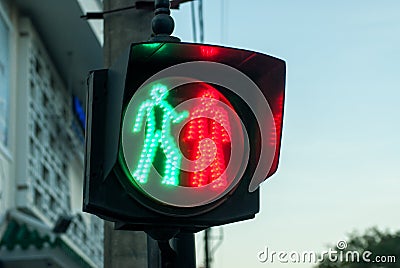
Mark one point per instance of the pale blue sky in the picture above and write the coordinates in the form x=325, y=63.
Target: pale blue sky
x=340, y=159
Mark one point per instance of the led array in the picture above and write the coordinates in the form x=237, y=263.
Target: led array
x=276, y=128
x=155, y=137
x=209, y=129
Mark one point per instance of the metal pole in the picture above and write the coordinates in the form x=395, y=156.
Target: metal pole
x=207, y=260
x=124, y=248
x=123, y=28
x=184, y=245
x=153, y=253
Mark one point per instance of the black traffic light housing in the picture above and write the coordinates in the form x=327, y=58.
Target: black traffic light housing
x=106, y=191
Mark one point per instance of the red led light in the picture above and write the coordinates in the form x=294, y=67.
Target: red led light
x=208, y=51
x=278, y=115
x=208, y=130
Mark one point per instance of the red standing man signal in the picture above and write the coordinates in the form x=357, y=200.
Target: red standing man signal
x=208, y=130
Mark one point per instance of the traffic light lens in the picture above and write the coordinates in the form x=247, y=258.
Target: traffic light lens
x=185, y=136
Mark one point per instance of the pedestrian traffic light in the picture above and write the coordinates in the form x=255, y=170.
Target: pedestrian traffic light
x=181, y=135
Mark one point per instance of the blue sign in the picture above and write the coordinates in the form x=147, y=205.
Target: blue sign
x=79, y=112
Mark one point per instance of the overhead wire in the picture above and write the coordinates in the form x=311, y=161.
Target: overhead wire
x=194, y=28
x=201, y=21
x=222, y=22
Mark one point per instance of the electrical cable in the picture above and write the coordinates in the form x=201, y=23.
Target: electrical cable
x=222, y=24
x=193, y=22
x=138, y=5
x=201, y=21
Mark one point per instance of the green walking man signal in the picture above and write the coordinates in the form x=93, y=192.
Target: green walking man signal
x=154, y=137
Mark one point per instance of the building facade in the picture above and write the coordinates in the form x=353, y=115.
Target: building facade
x=45, y=56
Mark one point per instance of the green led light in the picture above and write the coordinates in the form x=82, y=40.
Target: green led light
x=153, y=46
x=155, y=137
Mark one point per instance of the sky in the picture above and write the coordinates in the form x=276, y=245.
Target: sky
x=339, y=169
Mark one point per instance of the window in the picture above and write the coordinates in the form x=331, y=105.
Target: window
x=37, y=198
x=5, y=80
x=45, y=174
x=37, y=131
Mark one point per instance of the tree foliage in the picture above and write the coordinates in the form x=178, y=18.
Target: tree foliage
x=383, y=245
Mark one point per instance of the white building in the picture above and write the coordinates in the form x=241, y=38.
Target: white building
x=46, y=51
